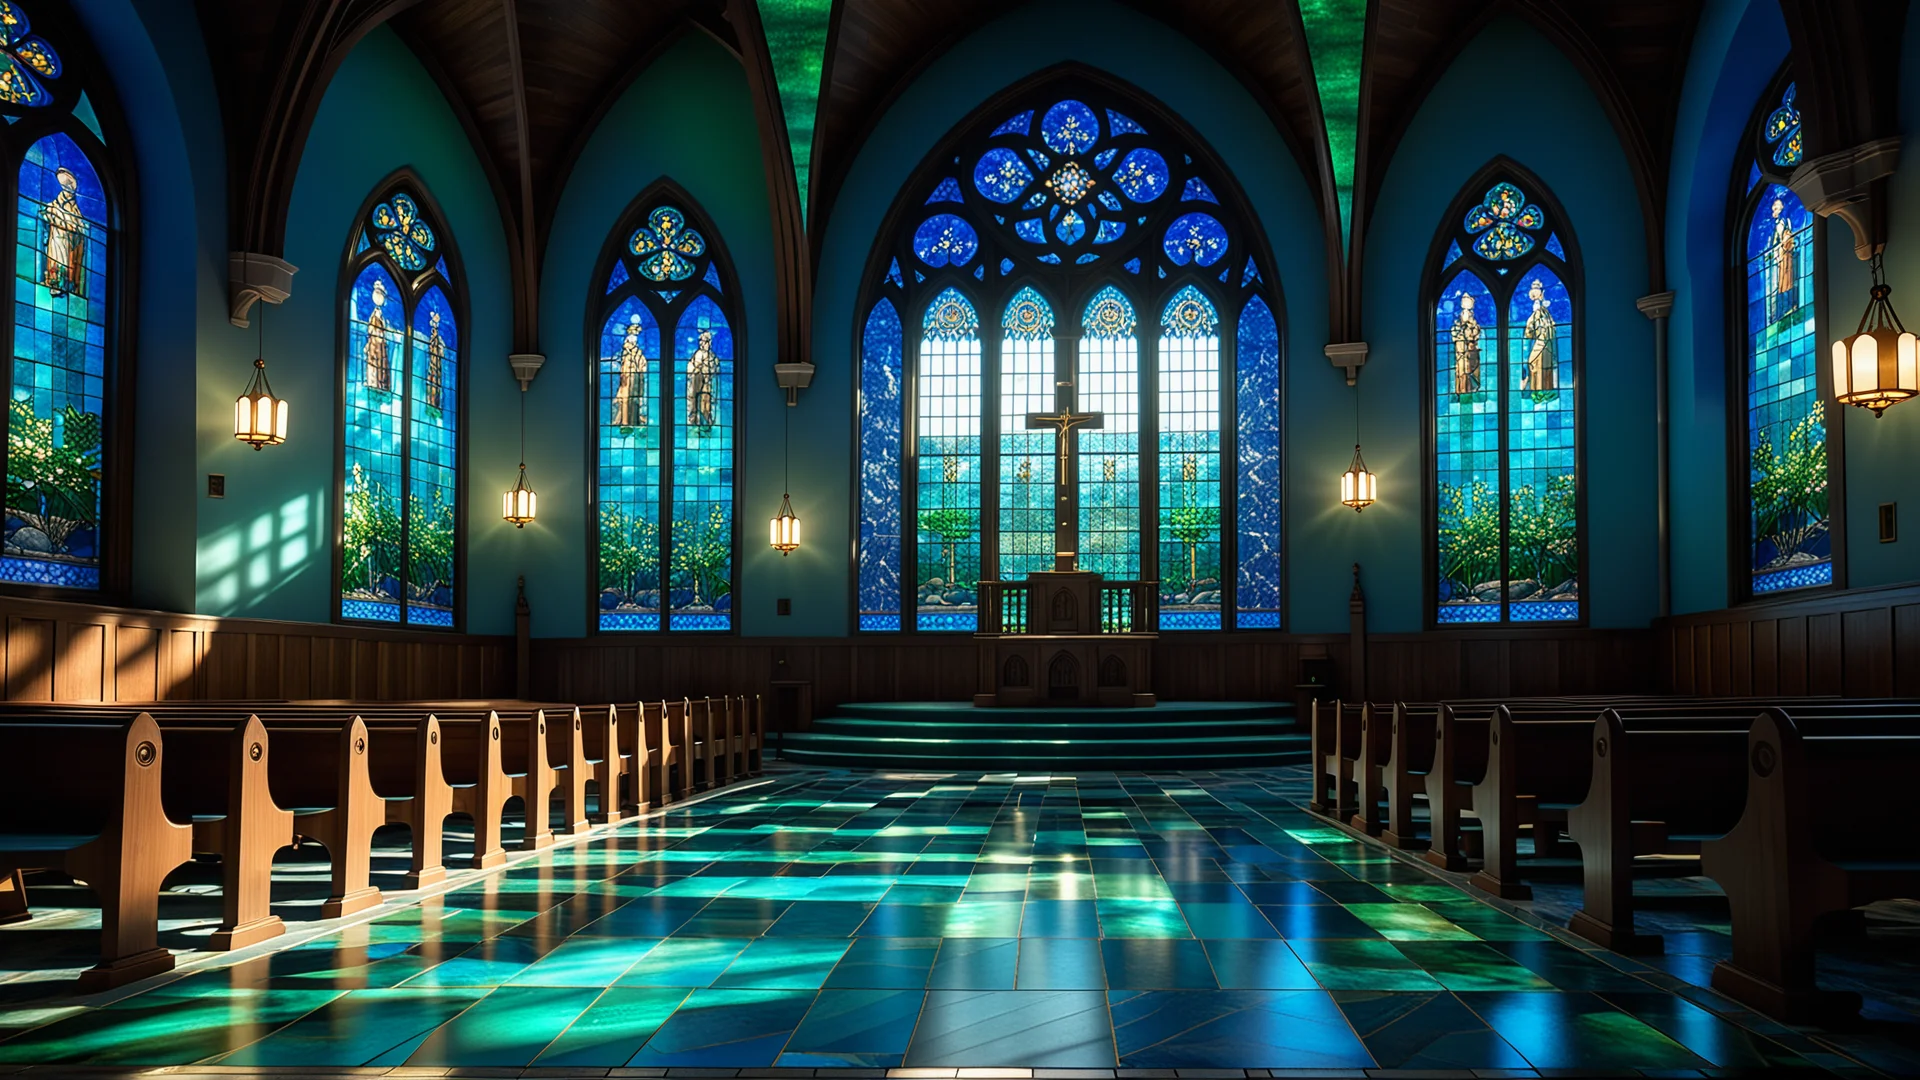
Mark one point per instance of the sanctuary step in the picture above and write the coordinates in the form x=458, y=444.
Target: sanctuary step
x=947, y=735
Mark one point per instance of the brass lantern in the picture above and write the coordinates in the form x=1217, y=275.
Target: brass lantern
x=259, y=418
x=519, y=504
x=1876, y=367
x=783, y=531
x=1358, y=487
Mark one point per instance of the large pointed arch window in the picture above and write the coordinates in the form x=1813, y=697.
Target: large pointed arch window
x=61, y=442
x=664, y=342
x=1075, y=255
x=1788, y=528
x=1503, y=382
x=403, y=397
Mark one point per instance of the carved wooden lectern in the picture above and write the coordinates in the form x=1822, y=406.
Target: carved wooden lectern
x=1066, y=637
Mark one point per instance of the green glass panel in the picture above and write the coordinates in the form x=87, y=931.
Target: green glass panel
x=797, y=42
x=1336, y=41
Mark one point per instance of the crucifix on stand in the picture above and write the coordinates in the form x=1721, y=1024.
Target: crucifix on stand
x=1066, y=489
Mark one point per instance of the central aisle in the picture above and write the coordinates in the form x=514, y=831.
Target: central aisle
x=860, y=920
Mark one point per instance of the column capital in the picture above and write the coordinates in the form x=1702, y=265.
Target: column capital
x=1351, y=355
x=253, y=277
x=1656, y=305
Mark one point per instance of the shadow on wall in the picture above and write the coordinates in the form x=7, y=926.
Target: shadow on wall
x=242, y=565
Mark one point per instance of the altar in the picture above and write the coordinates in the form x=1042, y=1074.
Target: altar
x=1066, y=637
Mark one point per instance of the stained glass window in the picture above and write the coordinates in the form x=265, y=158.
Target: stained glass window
x=1503, y=380
x=666, y=420
x=1071, y=195
x=1788, y=539
x=64, y=291
x=400, y=492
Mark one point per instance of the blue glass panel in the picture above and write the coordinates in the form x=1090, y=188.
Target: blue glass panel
x=1105, y=157
x=1191, y=585
x=947, y=448
x=401, y=232
x=370, y=610
x=83, y=112
x=1119, y=124
x=1753, y=176
x=945, y=239
x=881, y=375
x=713, y=277
x=980, y=272
x=629, y=421
x=948, y=190
x=1466, y=451
x=1453, y=254
x=1006, y=267
x=667, y=294
x=1543, y=556
x=1554, y=248
x=1195, y=238
x=1030, y=230
x=1017, y=125
x=1001, y=176
x=363, y=243
x=879, y=622
x=1543, y=610
x=1782, y=130
x=433, y=481
x=1110, y=231
x=1142, y=175
x=893, y=272
x=1132, y=265
x=1026, y=455
x=617, y=277
x=1109, y=457
x=372, y=557
x=54, y=417
x=1251, y=274
x=1197, y=191
x=1788, y=522
x=700, y=563
x=1257, y=397
x=1087, y=258
x=667, y=247
x=1111, y=201
x=1069, y=128
x=1050, y=258
x=1070, y=228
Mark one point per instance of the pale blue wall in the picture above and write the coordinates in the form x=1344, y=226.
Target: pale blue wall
x=1146, y=53
x=1510, y=92
x=707, y=142
x=266, y=549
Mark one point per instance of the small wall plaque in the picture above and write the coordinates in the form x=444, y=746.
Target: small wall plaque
x=1889, y=523
x=217, y=485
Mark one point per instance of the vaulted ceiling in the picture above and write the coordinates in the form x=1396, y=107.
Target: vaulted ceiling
x=531, y=78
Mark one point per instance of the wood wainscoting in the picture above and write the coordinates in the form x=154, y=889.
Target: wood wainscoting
x=1859, y=643
x=59, y=651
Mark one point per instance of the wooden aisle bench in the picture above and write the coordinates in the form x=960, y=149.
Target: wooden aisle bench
x=636, y=769
x=606, y=760
x=1826, y=828
x=665, y=724
x=1404, y=779
x=320, y=771
x=567, y=757
x=699, y=744
x=1365, y=761
x=1335, y=725
x=87, y=801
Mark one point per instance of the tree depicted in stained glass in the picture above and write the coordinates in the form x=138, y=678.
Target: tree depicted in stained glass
x=1789, y=543
x=663, y=382
x=400, y=498
x=1504, y=460
x=56, y=413
x=1063, y=219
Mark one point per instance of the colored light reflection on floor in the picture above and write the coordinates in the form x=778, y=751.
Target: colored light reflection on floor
x=848, y=920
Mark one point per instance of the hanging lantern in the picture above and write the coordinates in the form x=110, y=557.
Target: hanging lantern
x=1358, y=487
x=259, y=418
x=1876, y=366
x=783, y=532
x=520, y=505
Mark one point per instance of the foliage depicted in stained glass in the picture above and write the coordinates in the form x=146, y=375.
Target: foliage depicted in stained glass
x=1026, y=455
x=1191, y=591
x=1789, y=543
x=400, y=494
x=947, y=449
x=881, y=373
x=1257, y=395
x=27, y=62
x=666, y=418
x=56, y=411
x=1504, y=457
x=1068, y=196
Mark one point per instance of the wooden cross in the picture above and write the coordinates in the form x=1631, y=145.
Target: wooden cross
x=1066, y=489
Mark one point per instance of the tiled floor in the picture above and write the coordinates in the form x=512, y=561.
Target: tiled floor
x=837, y=920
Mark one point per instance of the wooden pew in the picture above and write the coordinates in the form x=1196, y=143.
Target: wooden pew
x=1366, y=764
x=1826, y=828
x=757, y=737
x=606, y=760
x=665, y=726
x=1335, y=733
x=217, y=777
x=637, y=790
x=87, y=801
x=1459, y=762
x=1652, y=792
x=321, y=772
x=1403, y=780
x=567, y=757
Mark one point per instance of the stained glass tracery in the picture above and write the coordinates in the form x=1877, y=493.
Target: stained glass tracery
x=1789, y=542
x=665, y=413
x=975, y=363
x=1504, y=458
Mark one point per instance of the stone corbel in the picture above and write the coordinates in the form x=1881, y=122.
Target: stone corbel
x=1351, y=355
x=794, y=378
x=1846, y=184
x=525, y=366
x=252, y=277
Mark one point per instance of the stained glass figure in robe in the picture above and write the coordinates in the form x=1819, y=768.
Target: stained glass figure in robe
x=1543, y=562
x=372, y=547
x=55, y=426
x=1791, y=546
x=1109, y=456
x=1191, y=591
x=629, y=469
x=1026, y=456
x=433, y=483
x=948, y=473
x=700, y=562
x=1466, y=456
x=1257, y=397
x=881, y=369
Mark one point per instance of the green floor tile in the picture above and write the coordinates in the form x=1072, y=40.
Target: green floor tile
x=688, y=962
x=1470, y=965
x=784, y=964
x=585, y=961
x=509, y=1027
x=1354, y=964
x=1408, y=922
x=613, y=1028
x=1141, y=918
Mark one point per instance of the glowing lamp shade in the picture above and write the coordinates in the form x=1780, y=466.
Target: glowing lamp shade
x=520, y=505
x=1877, y=366
x=783, y=531
x=1358, y=487
x=259, y=418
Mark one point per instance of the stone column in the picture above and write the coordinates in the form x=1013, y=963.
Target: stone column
x=1657, y=307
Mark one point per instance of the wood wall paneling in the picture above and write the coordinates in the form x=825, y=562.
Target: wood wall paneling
x=1859, y=643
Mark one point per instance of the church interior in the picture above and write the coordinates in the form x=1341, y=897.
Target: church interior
x=1349, y=538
